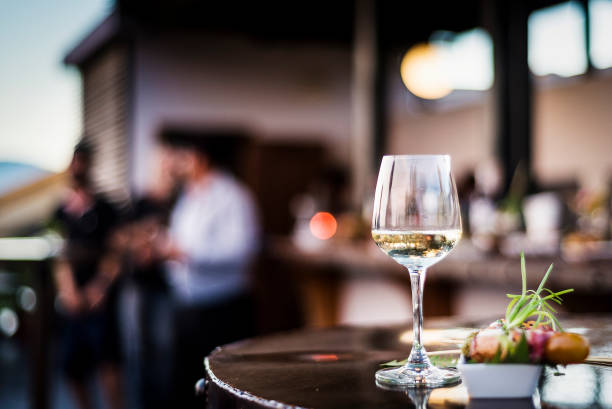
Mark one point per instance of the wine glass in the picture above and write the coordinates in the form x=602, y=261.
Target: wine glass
x=417, y=222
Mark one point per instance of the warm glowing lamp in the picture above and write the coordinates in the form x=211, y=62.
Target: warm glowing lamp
x=423, y=73
x=323, y=225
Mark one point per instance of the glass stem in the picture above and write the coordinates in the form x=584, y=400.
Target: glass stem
x=418, y=355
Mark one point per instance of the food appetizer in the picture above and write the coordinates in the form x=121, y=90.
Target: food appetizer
x=505, y=359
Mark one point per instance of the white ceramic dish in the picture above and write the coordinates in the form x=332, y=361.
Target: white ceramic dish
x=500, y=380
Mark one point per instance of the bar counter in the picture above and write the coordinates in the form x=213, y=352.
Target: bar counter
x=334, y=368
x=321, y=272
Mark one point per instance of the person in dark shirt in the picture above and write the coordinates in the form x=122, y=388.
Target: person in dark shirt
x=84, y=275
x=145, y=305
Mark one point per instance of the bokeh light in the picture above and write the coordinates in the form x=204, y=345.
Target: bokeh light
x=556, y=40
x=600, y=12
x=423, y=72
x=323, y=225
x=9, y=322
x=26, y=298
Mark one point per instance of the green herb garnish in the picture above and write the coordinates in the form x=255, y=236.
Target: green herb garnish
x=395, y=362
x=532, y=304
x=441, y=361
x=444, y=361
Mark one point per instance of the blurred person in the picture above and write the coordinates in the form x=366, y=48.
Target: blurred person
x=145, y=303
x=84, y=275
x=466, y=189
x=212, y=238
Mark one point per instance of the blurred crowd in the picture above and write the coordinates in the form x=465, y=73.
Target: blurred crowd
x=146, y=292
x=568, y=220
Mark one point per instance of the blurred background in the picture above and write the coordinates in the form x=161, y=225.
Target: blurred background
x=518, y=93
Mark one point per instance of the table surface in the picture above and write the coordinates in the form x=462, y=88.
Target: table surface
x=334, y=368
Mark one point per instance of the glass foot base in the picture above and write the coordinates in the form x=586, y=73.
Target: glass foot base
x=417, y=376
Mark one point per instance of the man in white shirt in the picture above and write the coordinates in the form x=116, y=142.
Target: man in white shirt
x=213, y=236
x=214, y=228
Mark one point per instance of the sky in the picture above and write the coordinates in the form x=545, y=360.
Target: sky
x=40, y=98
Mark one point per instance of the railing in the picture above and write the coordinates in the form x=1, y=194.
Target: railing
x=34, y=255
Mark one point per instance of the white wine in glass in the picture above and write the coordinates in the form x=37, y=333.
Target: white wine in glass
x=417, y=222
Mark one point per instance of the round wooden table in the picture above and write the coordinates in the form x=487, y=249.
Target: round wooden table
x=334, y=368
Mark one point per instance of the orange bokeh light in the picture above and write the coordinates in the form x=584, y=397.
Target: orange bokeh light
x=323, y=225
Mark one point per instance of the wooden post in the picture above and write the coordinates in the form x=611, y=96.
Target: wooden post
x=40, y=337
x=365, y=58
x=507, y=23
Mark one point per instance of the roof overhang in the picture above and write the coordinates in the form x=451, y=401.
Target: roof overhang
x=100, y=36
